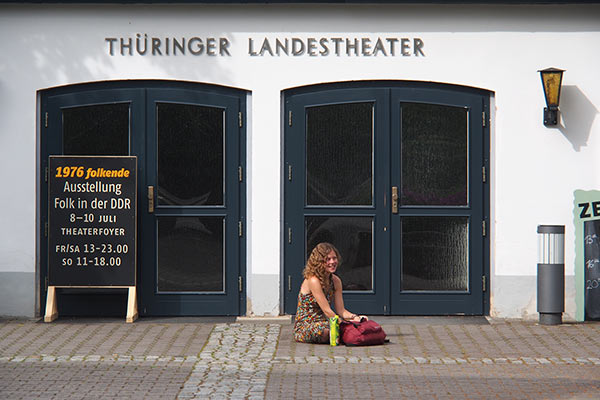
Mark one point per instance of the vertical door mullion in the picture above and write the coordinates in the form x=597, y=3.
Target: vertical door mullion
x=395, y=224
x=382, y=201
x=485, y=200
x=51, y=138
x=233, y=236
x=294, y=181
x=147, y=271
x=240, y=203
x=476, y=250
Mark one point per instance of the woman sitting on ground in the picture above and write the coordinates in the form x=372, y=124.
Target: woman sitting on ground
x=319, y=287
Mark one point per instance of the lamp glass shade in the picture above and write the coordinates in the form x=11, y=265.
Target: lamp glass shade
x=552, y=79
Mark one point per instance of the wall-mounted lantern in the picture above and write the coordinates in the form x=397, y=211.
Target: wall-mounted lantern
x=551, y=81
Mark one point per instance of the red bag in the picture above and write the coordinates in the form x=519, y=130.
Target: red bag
x=364, y=333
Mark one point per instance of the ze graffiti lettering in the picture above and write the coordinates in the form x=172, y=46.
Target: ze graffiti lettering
x=585, y=209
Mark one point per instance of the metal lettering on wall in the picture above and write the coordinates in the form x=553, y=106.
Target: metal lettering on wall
x=143, y=44
x=92, y=221
x=338, y=46
x=155, y=46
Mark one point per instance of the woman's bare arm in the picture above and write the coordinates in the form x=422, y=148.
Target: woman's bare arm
x=317, y=291
x=338, y=300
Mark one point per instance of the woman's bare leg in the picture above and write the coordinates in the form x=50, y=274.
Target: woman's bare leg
x=325, y=336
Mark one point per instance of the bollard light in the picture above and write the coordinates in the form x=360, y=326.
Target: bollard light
x=551, y=274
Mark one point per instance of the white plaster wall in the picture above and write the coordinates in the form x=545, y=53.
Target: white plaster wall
x=500, y=48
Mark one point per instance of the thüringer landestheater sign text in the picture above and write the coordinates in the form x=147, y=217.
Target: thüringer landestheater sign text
x=388, y=46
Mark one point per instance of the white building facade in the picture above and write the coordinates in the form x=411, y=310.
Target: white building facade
x=323, y=113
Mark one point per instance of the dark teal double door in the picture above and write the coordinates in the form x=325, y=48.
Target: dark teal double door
x=394, y=175
x=189, y=143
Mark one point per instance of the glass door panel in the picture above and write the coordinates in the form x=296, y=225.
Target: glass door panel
x=191, y=254
x=353, y=237
x=191, y=144
x=435, y=254
x=435, y=158
x=339, y=155
x=96, y=130
x=190, y=153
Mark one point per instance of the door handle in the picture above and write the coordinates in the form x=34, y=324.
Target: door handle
x=394, y=199
x=150, y=199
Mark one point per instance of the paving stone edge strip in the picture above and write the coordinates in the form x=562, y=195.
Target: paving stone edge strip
x=313, y=359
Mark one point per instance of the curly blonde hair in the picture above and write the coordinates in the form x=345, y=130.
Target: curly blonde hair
x=315, y=266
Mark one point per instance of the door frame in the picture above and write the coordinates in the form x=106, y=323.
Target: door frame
x=197, y=303
x=293, y=221
x=113, y=302
x=291, y=255
x=475, y=210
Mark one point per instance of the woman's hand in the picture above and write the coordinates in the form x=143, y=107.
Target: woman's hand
x=357, y=318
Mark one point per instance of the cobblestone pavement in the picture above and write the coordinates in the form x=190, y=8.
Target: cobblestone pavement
x=110, y=359
x=83, y=360
x=502, y=360
x=234, y=364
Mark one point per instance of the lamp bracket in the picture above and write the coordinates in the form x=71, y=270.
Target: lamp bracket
x=550, y=116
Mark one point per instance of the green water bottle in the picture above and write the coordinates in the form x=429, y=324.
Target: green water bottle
x=334, y=330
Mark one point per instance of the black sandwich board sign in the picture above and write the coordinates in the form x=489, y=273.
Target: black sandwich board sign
x=92, y=210
x=586, y=212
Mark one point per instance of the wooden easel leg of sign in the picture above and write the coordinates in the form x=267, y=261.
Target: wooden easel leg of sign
x=132, y=311
x=52, y=307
